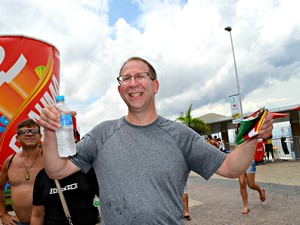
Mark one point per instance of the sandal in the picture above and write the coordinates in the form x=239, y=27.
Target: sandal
x=245, y=211
x=187, y=217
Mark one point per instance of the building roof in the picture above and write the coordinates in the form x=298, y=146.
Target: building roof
x=211, y=117
x=215, y=119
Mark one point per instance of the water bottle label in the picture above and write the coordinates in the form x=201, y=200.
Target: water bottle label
x=65, y=119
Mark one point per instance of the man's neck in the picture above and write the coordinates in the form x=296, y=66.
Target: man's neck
x=141, y=119
x=28, y=152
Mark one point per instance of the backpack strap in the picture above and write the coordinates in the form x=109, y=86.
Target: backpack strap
x=10, y=160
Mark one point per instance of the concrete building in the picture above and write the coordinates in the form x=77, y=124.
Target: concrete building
x=222, y=124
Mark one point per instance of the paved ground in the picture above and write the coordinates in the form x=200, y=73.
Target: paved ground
x=218, y=201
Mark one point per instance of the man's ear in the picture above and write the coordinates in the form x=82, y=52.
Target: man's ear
x=156, y=86
x=119, y=90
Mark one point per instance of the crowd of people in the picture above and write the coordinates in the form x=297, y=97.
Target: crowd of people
x=217, y=142
x=141, y=161
x=34, y=195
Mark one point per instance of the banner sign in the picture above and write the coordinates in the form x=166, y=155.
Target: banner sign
x=235, y=109
x=29, y=81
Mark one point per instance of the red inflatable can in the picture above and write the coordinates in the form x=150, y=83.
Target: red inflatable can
x=29, y=81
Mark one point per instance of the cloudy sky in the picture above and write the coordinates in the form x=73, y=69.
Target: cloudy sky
x=184, y=40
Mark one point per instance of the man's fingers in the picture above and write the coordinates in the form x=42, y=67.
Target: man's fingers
x=267, y=127
x=49, y=118
x=9, y=219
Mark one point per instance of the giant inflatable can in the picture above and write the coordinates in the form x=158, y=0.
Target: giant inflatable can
x=29, y=81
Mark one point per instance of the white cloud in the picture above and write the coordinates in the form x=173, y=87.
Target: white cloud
x=186, y=43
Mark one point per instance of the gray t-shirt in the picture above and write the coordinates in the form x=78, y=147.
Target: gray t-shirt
x=142, y=170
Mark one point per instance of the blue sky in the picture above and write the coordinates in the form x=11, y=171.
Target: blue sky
x=184, y=40
x=122, y=9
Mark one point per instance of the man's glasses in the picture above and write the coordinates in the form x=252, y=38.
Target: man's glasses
x=126, y=79
x=28, y=131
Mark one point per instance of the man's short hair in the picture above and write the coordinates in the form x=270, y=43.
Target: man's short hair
x=28, y=123
x=136, y=58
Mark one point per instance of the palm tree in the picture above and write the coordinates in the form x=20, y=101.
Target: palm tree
x=195, y=123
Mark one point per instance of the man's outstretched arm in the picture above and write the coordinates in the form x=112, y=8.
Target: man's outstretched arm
x=55, y=166
x=240, y=158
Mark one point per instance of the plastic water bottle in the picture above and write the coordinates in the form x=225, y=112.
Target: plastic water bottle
x=65, y=136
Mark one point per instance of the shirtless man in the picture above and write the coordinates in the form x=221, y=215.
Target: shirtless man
x=20, y=171
x=212, y=141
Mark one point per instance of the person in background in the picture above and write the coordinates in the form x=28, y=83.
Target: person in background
x=185, y=200
x=216, y=140
x=20, y=170
x=142, y=160
x=79, y=190
x=212, y=141
x=248, y=178
x=269, y=148
x=221, y=145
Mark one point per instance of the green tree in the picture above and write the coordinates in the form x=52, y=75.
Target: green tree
x=196, y=124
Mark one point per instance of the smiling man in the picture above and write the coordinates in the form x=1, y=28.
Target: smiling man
x=142, y=160
x=20, y=171
x=138, y=86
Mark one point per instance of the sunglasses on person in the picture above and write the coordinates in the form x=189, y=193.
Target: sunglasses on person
x=28, y=131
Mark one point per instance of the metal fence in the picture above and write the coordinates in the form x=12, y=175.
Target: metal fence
x=284, y=147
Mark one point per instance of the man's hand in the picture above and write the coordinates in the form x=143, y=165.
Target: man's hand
x=49, y=118
x=8, y=219
x=267, y=127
